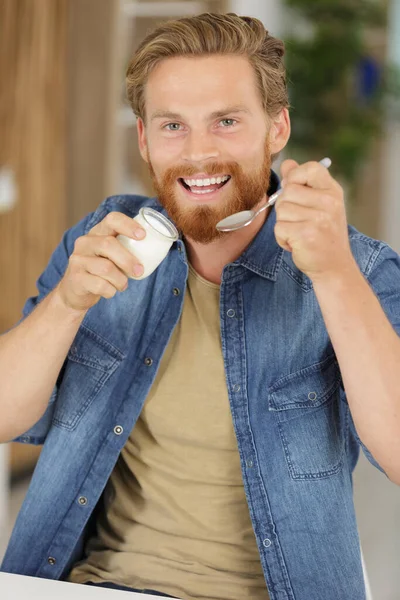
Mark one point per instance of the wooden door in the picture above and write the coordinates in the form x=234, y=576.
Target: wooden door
x=33, y=144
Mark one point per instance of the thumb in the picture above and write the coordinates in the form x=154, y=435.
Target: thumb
x=287, y=166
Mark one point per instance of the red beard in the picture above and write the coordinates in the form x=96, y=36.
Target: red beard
x=198, y=223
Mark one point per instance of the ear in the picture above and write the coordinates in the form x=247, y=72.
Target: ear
x=142, y=141
x=279, y=132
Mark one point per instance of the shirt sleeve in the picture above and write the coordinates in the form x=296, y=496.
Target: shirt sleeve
x=47, y=281
x=384, y=279
x=57, y=265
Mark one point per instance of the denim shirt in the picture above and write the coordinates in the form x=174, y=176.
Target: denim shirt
x=297, y=442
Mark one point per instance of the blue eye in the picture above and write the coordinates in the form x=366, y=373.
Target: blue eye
x=169, y=124
x=232, y=121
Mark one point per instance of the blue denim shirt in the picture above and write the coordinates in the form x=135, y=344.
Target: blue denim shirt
x=296, y=438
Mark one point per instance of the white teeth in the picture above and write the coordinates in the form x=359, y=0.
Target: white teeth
x=205, y=182
x=204, y=191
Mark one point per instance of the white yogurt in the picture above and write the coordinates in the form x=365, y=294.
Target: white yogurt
x=160, y=235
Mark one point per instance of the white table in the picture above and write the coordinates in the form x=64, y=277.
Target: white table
x=20, y=586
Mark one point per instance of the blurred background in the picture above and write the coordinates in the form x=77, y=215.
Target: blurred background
x=68, y=140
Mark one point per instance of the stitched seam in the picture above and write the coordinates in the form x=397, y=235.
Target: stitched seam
x=305, y=371
x=306, y=404
x=101, y=341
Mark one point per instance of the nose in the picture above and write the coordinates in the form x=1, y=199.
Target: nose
x=200, y=147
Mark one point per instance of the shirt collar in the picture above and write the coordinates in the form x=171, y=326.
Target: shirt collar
x=264, y=255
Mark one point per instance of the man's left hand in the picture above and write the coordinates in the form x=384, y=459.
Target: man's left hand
x=311, y=220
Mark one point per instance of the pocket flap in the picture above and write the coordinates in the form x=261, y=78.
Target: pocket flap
x=94, y=351
x=309, y=387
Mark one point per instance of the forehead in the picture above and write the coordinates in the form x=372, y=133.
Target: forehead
x=203, y=82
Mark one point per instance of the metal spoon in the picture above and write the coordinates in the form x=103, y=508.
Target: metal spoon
x=245, y=217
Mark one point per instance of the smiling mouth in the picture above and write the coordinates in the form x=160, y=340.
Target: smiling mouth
x=207, y=188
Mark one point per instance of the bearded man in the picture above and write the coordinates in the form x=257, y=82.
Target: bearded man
x=200, y=426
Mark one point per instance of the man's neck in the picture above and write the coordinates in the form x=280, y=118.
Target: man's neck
x=209, y=260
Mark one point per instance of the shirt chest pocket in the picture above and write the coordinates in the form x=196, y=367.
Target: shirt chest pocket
x=90, y=363
x=309, y=417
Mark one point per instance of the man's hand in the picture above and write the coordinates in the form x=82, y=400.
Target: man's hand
x=311, y=220
x=100, y=265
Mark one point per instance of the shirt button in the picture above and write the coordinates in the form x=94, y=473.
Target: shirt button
x=267, y=543
x=148, y=361
x=82, y=500
x=118, y=430
x=236, y=387
x=249, y=463
x=51, y=560
x=176, y=291
x=312, y=396
x=231, y=313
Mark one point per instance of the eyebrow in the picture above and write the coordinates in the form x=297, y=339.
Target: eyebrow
x=164, y=114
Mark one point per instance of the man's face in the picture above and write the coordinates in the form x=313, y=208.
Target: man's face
x=205, y=125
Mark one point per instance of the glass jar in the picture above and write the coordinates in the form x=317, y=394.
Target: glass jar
x=154, y=247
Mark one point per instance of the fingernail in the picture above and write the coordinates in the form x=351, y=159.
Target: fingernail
x=138, y=270
x=139, y=234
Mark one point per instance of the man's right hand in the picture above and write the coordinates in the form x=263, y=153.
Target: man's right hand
x=100, y=265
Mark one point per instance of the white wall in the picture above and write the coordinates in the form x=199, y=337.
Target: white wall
x=268, y=11
x=391, y=189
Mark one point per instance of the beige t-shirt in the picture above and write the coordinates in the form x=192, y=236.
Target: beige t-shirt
x=175, y=516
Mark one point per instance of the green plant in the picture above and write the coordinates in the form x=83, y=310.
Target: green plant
x=325, y=53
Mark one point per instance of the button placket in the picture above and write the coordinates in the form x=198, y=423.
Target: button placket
x=232, y=299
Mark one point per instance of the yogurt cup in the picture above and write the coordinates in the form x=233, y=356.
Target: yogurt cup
x=160, y=235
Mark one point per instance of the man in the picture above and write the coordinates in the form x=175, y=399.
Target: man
x=204, y=422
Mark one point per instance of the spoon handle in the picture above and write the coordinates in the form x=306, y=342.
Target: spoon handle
x=271, y=202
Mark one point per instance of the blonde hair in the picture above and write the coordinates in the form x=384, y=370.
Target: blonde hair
x=209, y=34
